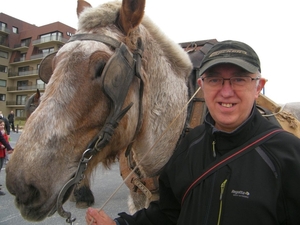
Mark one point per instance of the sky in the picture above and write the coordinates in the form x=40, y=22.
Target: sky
x=270, y=27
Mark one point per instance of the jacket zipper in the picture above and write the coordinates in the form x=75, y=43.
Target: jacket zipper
x=214, y=148
x=221, y=200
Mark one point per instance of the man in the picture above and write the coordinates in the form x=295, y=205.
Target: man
x=11, y=120
x=236, y=168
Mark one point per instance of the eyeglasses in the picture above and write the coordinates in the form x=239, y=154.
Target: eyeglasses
x=237, y=83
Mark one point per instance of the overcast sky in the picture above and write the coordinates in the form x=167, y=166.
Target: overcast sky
x=270, y=27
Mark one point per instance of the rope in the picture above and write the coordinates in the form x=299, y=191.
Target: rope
x=275, y=113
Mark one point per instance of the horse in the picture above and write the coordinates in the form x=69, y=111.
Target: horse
x=118, y=84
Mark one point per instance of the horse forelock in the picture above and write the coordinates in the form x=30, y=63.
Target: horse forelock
x=100, y=16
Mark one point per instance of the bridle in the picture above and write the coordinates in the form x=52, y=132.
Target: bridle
x=122, y=67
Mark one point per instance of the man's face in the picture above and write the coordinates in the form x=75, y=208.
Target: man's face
x=230, y=105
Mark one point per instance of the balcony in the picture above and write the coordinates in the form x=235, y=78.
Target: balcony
x=4, y=46
x=19, y=59
x=26, y=88
x=23, y=47
x=22, y=60
x=46, y=41
x=4, y=30
x=22, y=74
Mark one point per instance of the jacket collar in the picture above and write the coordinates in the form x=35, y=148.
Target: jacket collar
x=226, y=141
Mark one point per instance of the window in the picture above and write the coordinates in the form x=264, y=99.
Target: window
x=47, y=51
x=23, y=56
x=15, y=30
x=69, y=34
x=22, y=85
x=51, y=36
x=40, y=84
x=2, y=83
x=20, y=113
x=3, y=69
x=25, y=42
x=4, y=54
x=3, y=26
x=23, y=69
x=2, y=97
x=21, y=99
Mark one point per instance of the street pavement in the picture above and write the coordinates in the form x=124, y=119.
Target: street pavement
x=104, y=184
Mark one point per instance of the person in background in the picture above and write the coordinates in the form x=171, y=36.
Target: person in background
x=4, y=147
x=7, y=126
x=237, y=167
x=11, y=120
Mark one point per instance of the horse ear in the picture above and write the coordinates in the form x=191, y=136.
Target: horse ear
x=37, y=95
x=81, y=4
x=131, y=14
x=45, y=69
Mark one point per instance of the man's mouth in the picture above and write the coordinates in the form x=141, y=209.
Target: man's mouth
x=227, y=105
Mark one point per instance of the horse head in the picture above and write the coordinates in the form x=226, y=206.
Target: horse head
x=32, y=103
x=118, y=81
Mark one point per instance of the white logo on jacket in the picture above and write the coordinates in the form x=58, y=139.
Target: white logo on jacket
x=243, y=194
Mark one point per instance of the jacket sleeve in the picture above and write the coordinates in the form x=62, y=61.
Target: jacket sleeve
x=7, y=126
x=287, y=154
x=4, y=142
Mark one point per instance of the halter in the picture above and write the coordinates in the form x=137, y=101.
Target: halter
x=121, y=67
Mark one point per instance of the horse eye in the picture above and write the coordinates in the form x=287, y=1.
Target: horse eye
x=99, y=69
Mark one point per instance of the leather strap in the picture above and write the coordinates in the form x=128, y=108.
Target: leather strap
x=229, y=157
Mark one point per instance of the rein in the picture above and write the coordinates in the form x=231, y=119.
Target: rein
x=122, y=67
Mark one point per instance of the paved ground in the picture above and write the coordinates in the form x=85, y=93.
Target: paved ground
x=104, y=184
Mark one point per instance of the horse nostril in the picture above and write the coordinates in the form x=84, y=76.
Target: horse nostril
x=27, y=197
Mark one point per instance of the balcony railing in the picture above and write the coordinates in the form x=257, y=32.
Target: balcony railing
x=20, y=102
x=5, y=30
x=23, y=73
x=48, y=39
x=19, y=59
x=26, y=88
x=21, y=45
x=4, y=44
x=38, y=56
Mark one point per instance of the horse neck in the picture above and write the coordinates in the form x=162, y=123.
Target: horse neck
x=164, y=99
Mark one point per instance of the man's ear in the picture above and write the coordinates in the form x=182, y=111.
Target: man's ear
x=200, y=82
x=260, y=86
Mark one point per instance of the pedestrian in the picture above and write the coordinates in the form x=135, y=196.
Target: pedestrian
x=4, y=147
x=237, y=167
x=11, y=120
x=7, y=127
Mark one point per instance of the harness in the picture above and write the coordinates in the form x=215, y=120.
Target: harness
x=122, y=67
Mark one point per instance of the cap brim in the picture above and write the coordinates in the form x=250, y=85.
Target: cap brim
x=241, y=63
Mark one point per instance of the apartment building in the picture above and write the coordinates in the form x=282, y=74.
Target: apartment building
x=22, y=48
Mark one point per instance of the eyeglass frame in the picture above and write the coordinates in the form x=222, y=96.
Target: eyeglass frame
x=233, y=85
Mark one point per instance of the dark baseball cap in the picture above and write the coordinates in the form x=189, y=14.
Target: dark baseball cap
x=233, y=52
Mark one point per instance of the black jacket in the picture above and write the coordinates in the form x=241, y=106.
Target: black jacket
x=260, y=187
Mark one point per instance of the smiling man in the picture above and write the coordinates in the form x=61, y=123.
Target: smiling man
x=237, y=167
